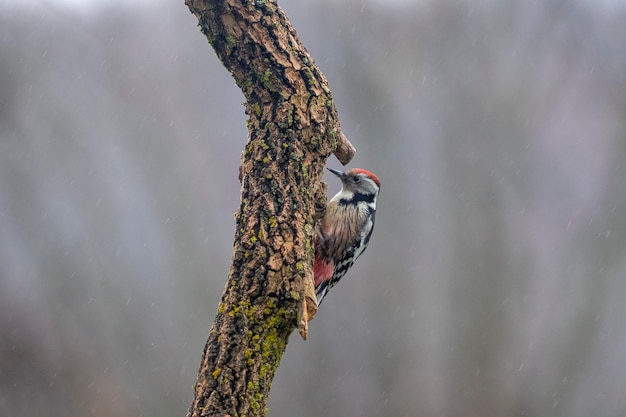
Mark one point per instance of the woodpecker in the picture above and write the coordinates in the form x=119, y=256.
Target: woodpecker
x=343, y=232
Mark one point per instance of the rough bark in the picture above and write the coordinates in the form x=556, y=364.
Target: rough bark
x=293, y=128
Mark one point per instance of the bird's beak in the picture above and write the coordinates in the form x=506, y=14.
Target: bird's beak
x=338, y=173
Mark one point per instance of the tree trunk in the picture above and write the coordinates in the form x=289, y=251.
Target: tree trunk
x=293, y=128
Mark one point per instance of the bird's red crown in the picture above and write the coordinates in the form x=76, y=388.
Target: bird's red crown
x=367, y=173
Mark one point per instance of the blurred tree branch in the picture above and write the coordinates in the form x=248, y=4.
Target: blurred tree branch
x=293, y=129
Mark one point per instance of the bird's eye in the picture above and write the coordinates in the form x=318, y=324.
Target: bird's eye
x=356, y=179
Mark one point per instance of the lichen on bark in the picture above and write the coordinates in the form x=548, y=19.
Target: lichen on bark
x=293, y=128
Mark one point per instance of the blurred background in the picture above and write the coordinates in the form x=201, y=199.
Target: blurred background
x=494, y=283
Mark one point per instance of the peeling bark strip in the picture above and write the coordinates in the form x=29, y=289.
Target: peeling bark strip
x=293, y=128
